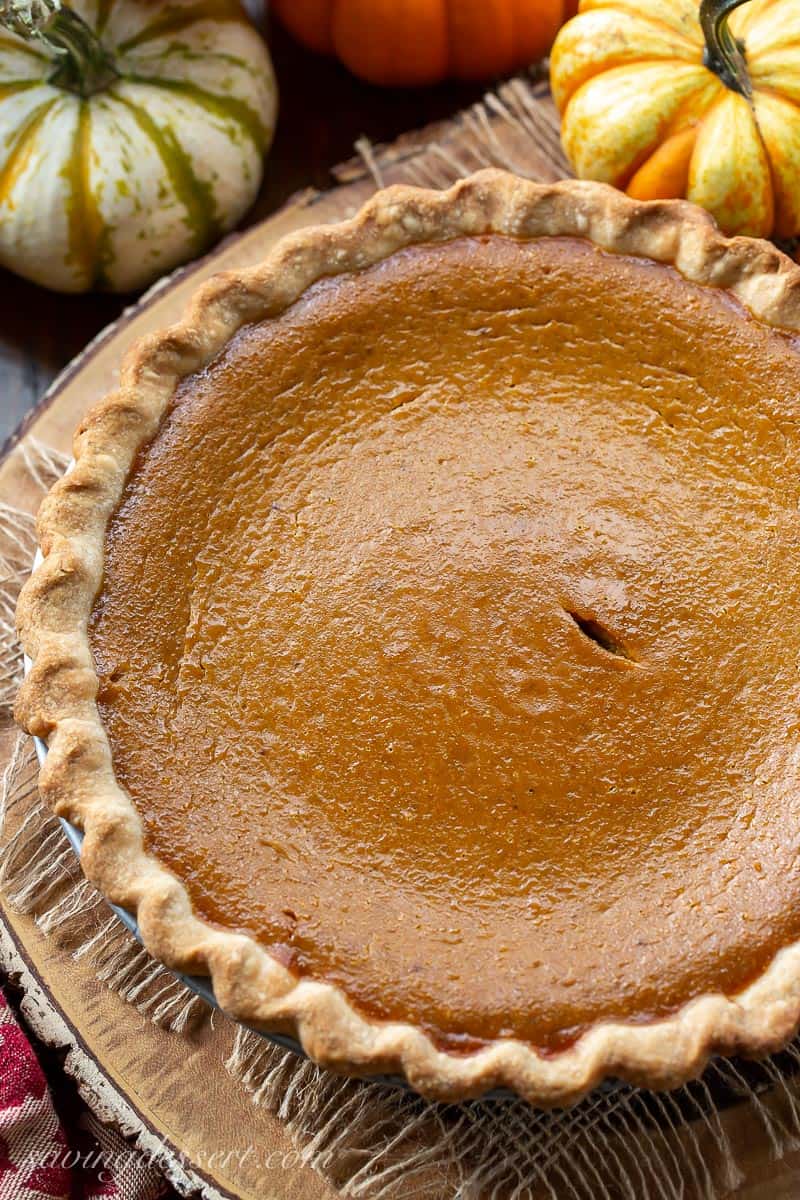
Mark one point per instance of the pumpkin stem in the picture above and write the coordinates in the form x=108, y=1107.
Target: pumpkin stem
x=724, y=54
x=82, y=64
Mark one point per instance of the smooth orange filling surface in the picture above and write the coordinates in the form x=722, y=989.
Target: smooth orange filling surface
x=449, y=639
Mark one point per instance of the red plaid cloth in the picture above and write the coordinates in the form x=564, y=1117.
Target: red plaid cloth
x=40, y=1156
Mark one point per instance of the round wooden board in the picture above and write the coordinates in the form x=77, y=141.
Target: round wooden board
x=173, y=1090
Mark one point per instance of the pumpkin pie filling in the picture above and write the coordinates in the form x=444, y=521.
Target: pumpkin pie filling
x=446, y=641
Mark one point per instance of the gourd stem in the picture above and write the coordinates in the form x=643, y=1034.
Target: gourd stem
x=724, y=54
x=82, y=64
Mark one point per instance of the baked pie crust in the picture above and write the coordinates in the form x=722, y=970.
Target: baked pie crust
x=59, y=699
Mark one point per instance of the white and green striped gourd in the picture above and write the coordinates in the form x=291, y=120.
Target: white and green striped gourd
x=132, y=134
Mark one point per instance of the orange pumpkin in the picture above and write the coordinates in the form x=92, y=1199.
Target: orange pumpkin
x=408, y=42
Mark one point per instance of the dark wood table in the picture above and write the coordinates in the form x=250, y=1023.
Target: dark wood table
x=323, y=111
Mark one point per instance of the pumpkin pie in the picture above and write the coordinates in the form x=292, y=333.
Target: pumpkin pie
x=417, y=645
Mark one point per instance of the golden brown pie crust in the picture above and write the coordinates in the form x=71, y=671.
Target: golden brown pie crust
x=59, y=700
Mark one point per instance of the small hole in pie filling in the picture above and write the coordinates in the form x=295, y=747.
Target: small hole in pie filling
x=596, y=632
x=354, y=716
